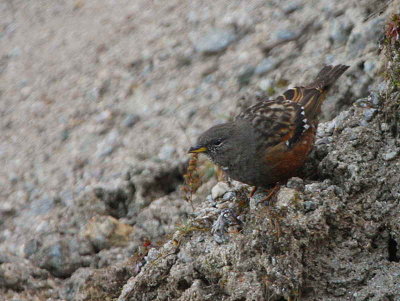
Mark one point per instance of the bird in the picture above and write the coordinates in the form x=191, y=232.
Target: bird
x=268, y=142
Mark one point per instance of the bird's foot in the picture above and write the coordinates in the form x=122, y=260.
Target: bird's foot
x=253, y=191
x=271, y=196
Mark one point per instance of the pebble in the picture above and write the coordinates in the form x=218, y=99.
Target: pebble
x=245, y=76
x=108, y=145
x=105, y=232
x=292, y=7
x=355, y=44
x=295, y=183
x=340, y=30
x=266, y=65
x=64, y=135
x=219, y=190
x=215, y=41
x=369, y=114
x=41, y=206
x=266, y=84
x=309, y=206
x=384, y=126
x=130, y=120
x=390, y=155
x=166, y=152
x=370, y=67
x=229, y=196
x=284, y=34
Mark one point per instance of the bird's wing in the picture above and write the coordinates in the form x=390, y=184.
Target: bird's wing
x=286, y=118
x=312, y=96
x=277, y=121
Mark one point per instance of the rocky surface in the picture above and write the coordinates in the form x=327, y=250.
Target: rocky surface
x=97, y=113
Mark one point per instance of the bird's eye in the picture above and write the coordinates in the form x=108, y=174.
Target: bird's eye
x=218, y=142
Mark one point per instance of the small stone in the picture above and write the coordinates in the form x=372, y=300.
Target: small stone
x=355, y=44
x=340, y=30
x=295, y=183
x=166, y=152
x=215, y=41
x=130, y=120
x=208, y=69
x=384, y=126
x=229, y=196
x=209, y=199
x=31, y=247
x=390, y=155
x=369, y=114
x=64, y=135
x=106, y=231
x=266, y=65
x=363, y=102
x=255, y=201
x=370, y=67
x=285, y=34
x=292, y=7
x=266, y=84
x=285, y=197
x=375, y=98
x=6, y=208
x=245, y=76
x=13, y=178
x=152, y=255
x=219, y=190
x=42, y=206
x=309, y=206
x=108, y=145
x=103, y=116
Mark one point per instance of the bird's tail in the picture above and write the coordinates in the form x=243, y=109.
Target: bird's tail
x=327, y=76
x=312, y=96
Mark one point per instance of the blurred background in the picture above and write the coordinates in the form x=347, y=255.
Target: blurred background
x=100, y=100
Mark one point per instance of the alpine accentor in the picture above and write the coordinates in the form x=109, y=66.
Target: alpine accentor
x=269, y=141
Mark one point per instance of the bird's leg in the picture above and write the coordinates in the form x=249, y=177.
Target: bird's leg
x=271, y=193
x=253, y=191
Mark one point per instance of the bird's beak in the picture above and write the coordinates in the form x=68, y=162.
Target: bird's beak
x=198, y=149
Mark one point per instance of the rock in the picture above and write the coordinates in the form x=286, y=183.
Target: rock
x=390, y=155
x=108, y=145
x=60, y=256
x=19, y=274
x=106, y=232
x=219, y=190
x=286, y=197
x=340, y=30
x=266, y=65
x=285, y=34
x=226, y=219
x=295, y=183
x=130, y=120
x=215, y=41
x=369, y=114
x=229, y=196
x=266, y=85
x=64, y=135
x=292, y=7
x=42, y=206
x=167, y=152
x=355, y=44
x=309, y=206
x=245, y=76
